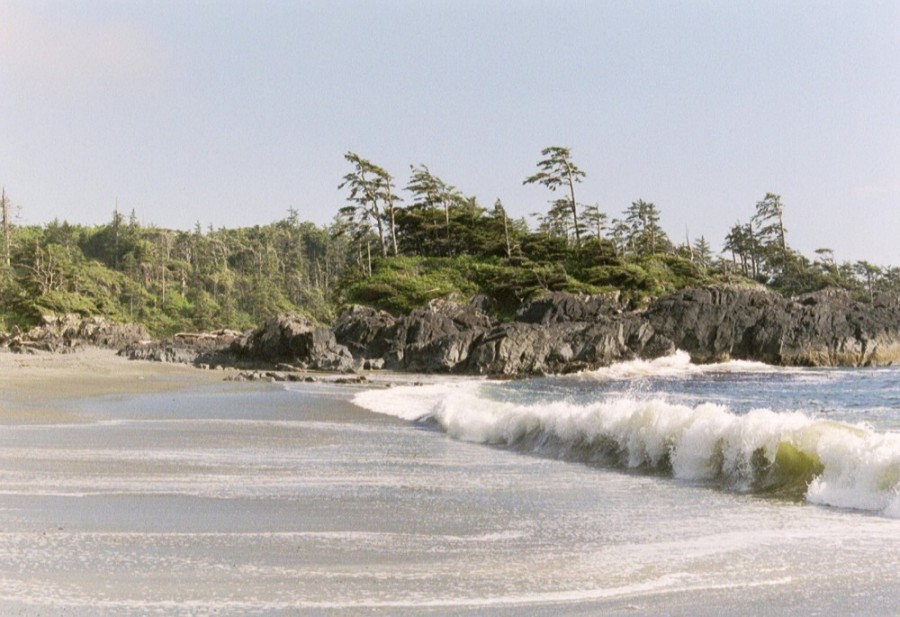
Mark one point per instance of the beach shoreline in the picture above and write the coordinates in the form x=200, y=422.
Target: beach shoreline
x=132, y=487
x=36, y=388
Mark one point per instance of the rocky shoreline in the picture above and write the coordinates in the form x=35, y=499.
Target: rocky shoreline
x=557, y=333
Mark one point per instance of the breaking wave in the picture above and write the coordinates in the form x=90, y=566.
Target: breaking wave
x=785, y=454
x=677, y=365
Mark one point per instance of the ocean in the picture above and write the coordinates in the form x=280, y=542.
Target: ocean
x=647, y=488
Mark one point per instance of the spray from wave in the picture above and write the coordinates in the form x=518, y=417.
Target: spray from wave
x=785, y=454
x=676, y=365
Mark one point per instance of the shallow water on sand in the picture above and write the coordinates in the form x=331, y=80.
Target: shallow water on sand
x=259, y=500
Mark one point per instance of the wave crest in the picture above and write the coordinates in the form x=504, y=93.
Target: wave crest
x=786, y=454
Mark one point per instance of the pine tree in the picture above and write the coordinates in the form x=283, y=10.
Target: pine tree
x=371, y=190
x=769, y=231
x=432, y=195
x=555, y=171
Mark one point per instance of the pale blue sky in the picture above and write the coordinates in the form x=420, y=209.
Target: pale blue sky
x=229, y=113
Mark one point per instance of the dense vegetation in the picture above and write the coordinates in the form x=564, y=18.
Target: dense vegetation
x=393, y=252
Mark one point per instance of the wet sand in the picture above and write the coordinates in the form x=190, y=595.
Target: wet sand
x=38, y=388
x=164, y=490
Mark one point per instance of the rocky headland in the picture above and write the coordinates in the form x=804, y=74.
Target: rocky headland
x=556, y=333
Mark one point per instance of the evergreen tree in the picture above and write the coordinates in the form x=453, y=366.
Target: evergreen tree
x=702, y=252
x=594, y=220
x=644, y=234
x=555, y=171
x=769, y=231
x=371, y=190
x=431, y=196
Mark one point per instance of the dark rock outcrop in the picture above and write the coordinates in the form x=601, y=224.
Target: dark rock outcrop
x=714, y=324
x=561, y=307
x=556, y=333
x=534, y=349
x=563, y=332
x=825, y=328
x=294, y=339
x=365, y=331
x=435, y=338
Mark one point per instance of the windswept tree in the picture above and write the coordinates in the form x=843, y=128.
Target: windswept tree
x=644, y=235
x=619, y=232
x=557, y=170
x=768, y=227
x=594, y=220
x=371, y=198
x=432, y=195
x=868, y=273
x=500, y=215
x=743, y=245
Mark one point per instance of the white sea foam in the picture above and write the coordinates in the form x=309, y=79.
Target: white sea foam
x=677, y=365
x=830, y=463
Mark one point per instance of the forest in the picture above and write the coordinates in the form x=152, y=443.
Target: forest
x=395, y=247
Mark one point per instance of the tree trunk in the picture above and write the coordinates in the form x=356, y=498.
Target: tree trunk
x=574, y=205
x=506, y=235
x=390, y=204
x=4, y=202
x=377, y=216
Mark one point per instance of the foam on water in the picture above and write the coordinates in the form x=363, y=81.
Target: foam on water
x=788, y=454
x=677, y=365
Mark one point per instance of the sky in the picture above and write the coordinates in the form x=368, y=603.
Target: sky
x=230, y=113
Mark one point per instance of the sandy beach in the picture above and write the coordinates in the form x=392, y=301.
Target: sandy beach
x=134, y=488
x=36, y=388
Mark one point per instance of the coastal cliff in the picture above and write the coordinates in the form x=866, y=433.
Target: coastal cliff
x=563, y=332
x=555, y=333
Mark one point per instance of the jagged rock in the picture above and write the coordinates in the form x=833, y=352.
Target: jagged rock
x=438, y=319
x=562, y=332
x=557, y=333
x=715, y=324
x=441, y=355
x=435, y=338
x=294, y=339
x=830, y=329
x=826, y=328
x=537, y=349
x=561, y=307
x=365, y=331
x=522, y=349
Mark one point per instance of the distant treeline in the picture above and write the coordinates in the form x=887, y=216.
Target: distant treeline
x=395, y=249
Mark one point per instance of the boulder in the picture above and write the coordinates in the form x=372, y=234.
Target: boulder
x=457, y=326
x=441, y=355
x=365, y=331
x=294, y=339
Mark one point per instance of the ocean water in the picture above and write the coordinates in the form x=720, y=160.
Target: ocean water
x=656, y=488
x=830, y=437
